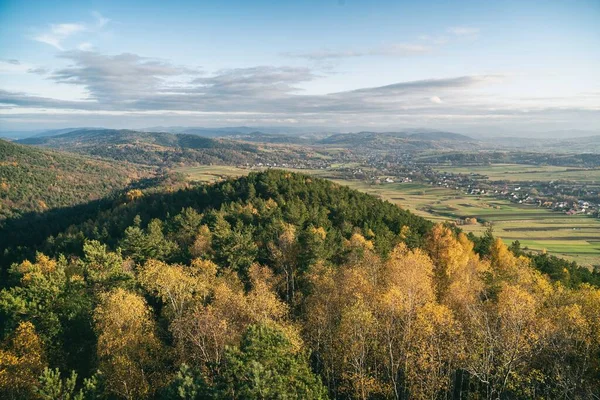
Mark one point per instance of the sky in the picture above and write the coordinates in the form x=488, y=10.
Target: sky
x=480, y=67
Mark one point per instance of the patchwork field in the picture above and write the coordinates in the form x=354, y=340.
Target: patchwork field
x=573, y=237
x=522, y=173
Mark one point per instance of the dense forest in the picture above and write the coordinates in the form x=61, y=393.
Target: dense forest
x=283, y=286
x=35, y=180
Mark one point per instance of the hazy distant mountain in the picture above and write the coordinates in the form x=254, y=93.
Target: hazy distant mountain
x=151, y=148
x=582, y=144
x=409, y=140
x=56, y=132
x=39, y=132
x=227, y=131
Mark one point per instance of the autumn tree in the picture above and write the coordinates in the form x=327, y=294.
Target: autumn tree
x=211, y=323
x=22, y=360
x=407, y=285
x=285, y=252
x=128, y=349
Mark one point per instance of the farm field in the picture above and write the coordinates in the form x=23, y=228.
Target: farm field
x=573, y=237
x=521, y=173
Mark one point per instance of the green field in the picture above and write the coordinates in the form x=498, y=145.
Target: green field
x=523, y=173
x=573, y=237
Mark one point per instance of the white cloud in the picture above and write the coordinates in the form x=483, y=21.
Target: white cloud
x=58, y=33
x=435, y=99
x=436, y=40
x=463, y=31
x=85, y=46
x=100, y=19
x=12, y=67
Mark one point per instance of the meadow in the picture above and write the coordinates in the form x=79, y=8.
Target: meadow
x=573, y=237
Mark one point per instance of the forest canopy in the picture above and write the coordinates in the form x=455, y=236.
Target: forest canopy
x=279, y=285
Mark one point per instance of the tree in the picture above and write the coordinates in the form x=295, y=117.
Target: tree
x=210, y=324
x=267, y=365
x=102, y=266
x=128, y=349
x=22, y=360
x=433, y=351
x=407, y=285
x=234, y=248
x=186, y=225
x=202, y=246
x=188, y=384
x=175, y=285
x=448, y=255
x=52, y=387
x=143, y=245
x=285, y=252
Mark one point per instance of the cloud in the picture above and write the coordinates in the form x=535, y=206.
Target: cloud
x=85, y=46
x=100, y=19
x=38, y=70
x=13, y=66
x=436, y=40
x=117, y=78
x=428, y=43
x=463, y=31
x=396, y=50
x=265, y=81
x=131, y=83
x=26, y=100
x=58, y=33
x=420, y=86
x=131, y=86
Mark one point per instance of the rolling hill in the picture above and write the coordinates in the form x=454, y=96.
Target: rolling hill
x=149, y=148
x=276, y=283
x=408, y=141
x=33, y=179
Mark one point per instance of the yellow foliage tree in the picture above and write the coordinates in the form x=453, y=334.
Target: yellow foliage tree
x=21, y=363
x=128, y=349
x=209, y=324
x=434, y=351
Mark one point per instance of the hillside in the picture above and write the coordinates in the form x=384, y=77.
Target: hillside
x=407, y=141
x=320, y=203
x=284, y=284
x=33, y=179
x=149, y=148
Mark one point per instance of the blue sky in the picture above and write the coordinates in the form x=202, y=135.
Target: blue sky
x=506, y=67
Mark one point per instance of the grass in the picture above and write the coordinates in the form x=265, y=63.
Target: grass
x=573, y=237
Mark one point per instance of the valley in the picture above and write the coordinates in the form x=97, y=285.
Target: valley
x=555, y=195
x=299, y=200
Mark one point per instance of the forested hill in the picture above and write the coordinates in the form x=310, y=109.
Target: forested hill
x=34, y=179
x=149, y=148
x=279, y=285
x=407, y=141
x=260, y=200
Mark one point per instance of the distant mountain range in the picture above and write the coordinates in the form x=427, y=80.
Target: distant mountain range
x=406, y=141
x=150, y=148
x=84, y=139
